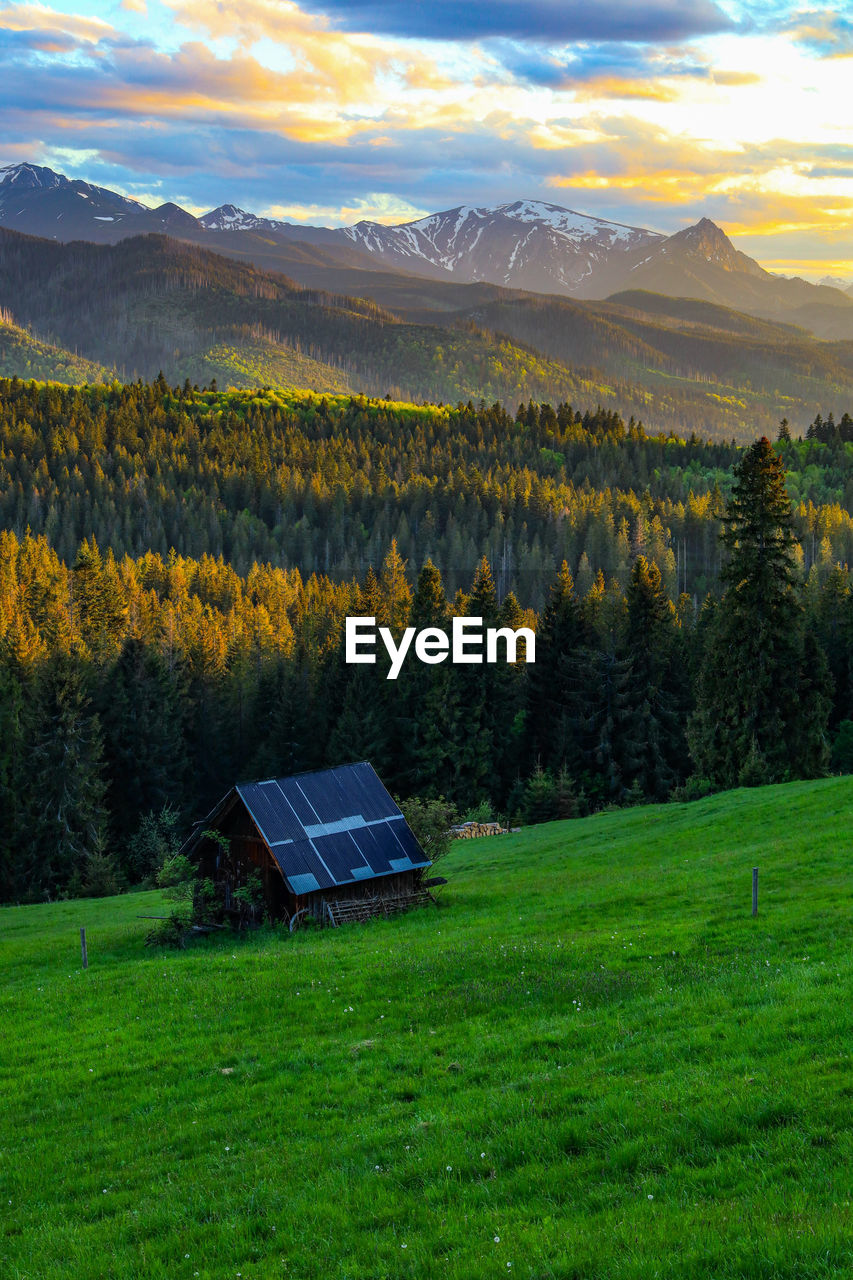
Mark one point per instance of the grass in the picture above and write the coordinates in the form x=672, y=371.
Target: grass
x=591, y=1063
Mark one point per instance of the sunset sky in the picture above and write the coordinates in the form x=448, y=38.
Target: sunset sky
x=328, y=111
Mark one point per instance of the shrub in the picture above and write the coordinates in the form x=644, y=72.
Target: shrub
x=694, y=788
x=155, y=841
x=842, y=748
x=430, y=821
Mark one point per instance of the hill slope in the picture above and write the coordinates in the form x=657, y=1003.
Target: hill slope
x=590, y=1061
x=682, y=363
x=152, y=303
x=701, y=262
x=25, y=356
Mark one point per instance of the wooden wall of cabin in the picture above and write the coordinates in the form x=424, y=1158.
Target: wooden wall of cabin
x=398, y=885
x=249, y=853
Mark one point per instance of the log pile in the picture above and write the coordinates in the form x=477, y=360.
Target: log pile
x=471, y=830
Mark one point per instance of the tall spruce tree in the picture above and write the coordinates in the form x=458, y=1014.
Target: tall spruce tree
x=653, y=682
x=67, y=816
x=557, y=679
x=141, y=716
x=761, y=714
x=421, y=755
x=14, y=770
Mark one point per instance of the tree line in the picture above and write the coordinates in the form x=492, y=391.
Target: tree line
x=135, y=690
x=325, y=483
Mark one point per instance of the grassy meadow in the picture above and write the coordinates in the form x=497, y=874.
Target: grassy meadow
x=589, y=1063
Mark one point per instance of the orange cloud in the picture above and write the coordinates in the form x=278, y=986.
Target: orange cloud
x=616, y=88
x=35, y=17
x=659, y=186
x=761, y=213
x=735, y=78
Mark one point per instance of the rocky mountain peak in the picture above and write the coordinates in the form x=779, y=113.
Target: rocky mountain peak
x=31, y=176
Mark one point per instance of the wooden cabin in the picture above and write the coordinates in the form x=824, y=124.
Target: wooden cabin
x=330, y=844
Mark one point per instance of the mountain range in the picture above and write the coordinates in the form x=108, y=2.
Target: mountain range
x=151, y=303
x=695, y=336
x=524, y=245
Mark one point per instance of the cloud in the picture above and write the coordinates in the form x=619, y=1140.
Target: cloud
x=608, y=70
x=735, y=79
x=824, y=32
x=280, y=111
x=35, y=18
x=538, y=21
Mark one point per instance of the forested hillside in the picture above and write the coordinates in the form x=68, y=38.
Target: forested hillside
x=150, y=657
x=24, y=356
x=151, y=303
x=323, y=484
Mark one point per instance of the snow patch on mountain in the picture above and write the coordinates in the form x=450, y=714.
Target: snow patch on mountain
x=524, y=243
x=228, y=217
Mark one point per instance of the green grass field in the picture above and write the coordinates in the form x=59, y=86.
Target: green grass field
x=590, y=1062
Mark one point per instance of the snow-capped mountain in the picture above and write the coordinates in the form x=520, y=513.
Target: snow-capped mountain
x=527, y=244
x=38, y=201
x=837, y=282
x=229, y=218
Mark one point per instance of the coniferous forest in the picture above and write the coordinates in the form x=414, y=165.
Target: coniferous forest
x=176, y=566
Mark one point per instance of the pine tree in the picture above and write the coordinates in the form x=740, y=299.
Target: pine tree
x=483, y=599
x=141, y=716
x=831, y=619
x=650, y=635
x=99, y=600
x=14, y=772
x=395, y=592
x=416, y=752
x=539, y=801
x=67, y=813
x=362, y=729
x=429, y=604
x=757, y=702
x=555, y=681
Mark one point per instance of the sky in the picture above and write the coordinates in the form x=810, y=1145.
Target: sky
x=650, y=112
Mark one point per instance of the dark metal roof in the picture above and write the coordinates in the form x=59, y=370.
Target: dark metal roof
x=336, y=826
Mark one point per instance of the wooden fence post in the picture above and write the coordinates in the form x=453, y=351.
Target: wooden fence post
x=83, y=948
x=755, y=891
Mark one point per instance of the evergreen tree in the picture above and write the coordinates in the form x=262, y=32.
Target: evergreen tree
x=362, y=730
x=757, y=703
x=429, y=603
x=99, y=600
x=14, y=776
x=395, y=592
x=613, y=747
x=831, y=620
x=650, y=635
x=67, y=815
x=539, y=802
x=141, y=717
x=417, y=761
x=291, y=732
x=556, y=680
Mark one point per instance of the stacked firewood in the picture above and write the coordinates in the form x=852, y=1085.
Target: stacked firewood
x=470, y=830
